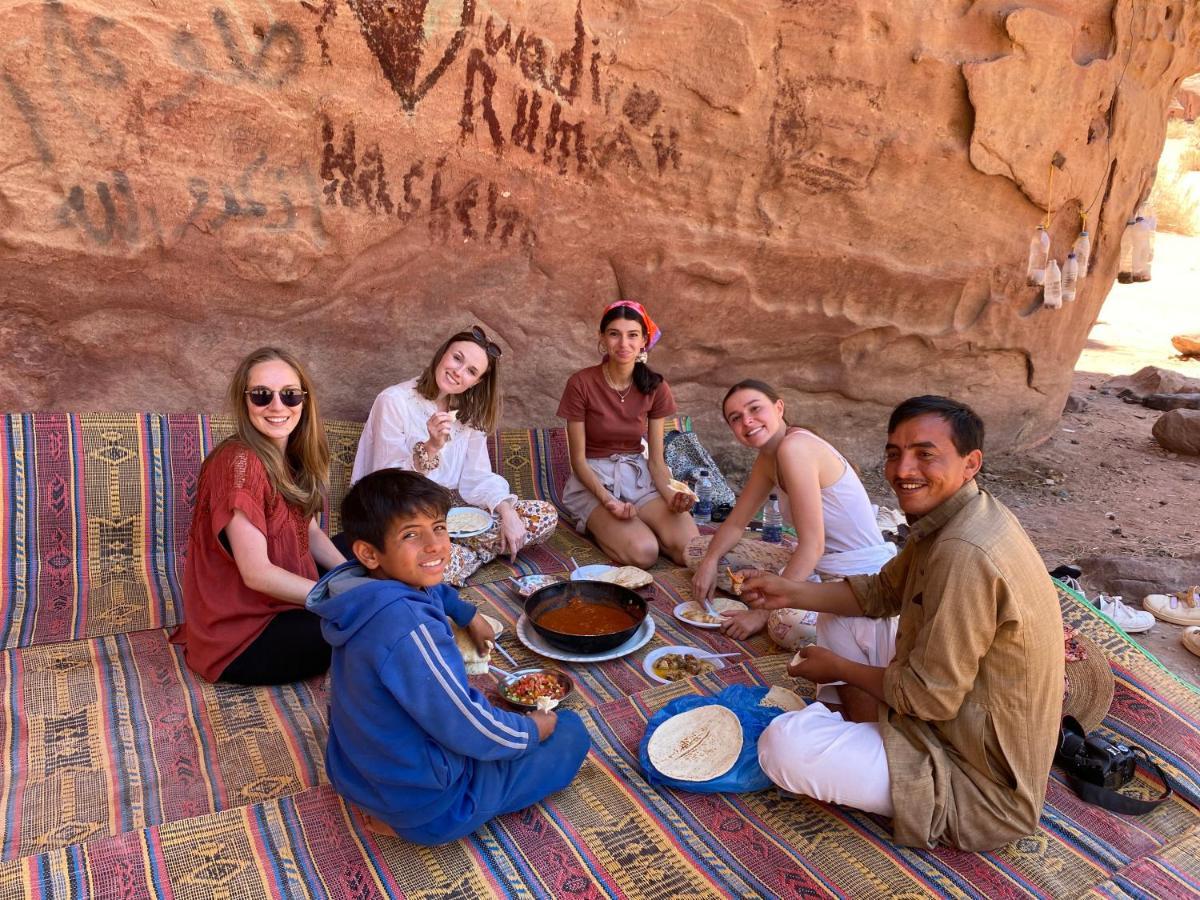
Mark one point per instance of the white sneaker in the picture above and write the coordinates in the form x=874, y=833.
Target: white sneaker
x=1131, y=621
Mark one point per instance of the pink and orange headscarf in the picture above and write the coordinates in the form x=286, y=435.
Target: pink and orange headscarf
x=653, y=332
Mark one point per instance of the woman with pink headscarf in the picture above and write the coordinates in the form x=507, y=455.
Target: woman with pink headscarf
x=621, y=496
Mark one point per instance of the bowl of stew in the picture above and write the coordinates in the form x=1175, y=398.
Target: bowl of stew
x=585, y=616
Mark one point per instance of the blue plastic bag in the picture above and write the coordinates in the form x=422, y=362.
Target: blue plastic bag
x=746, y=774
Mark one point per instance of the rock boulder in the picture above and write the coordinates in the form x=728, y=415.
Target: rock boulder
x=1187, y=344
x=1133, y=577
x=1179, y=430
x=835, y=196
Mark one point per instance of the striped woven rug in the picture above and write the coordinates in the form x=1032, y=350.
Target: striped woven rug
x=609, y=834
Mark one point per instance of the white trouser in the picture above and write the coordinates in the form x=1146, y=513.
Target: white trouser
x=815, y=751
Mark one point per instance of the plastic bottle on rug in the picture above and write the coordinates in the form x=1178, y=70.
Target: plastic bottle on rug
x=1083, y=252
x=772, y=521
x=1070, y=276
x=1052, y=293
x=702, y=511
x=1039, y=249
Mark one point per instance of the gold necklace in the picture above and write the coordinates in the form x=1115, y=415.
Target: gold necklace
x=621, y=396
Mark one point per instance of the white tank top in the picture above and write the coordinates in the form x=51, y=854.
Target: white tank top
x=845, y=507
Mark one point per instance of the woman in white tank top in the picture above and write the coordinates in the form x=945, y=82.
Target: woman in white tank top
x=836, y=533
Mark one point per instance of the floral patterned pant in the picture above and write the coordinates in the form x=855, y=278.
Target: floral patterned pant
x=468, y=554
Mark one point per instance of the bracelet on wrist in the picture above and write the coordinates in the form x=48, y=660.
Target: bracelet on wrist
x=425, y=460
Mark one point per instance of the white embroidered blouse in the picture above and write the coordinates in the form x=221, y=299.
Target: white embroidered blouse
x=398, y=421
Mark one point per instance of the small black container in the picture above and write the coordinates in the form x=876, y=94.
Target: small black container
x=553, y=596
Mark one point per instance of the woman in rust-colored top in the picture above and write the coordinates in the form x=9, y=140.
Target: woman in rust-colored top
x=254, y=540
x=623, y=498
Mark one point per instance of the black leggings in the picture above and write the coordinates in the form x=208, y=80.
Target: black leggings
x=290, y=648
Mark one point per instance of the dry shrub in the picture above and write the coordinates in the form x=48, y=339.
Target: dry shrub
x=1177, y=128
x=1189, y=156
x=1175, y=203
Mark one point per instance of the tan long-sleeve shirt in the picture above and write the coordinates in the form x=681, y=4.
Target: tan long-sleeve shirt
x=974, y=692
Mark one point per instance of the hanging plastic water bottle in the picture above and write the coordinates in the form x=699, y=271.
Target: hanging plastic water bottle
x=1070, y=276
x=772, y=521
x=702, y=511
x=1039, y=249
x=1125, y=269
x=1083, y=252
x=1052, y=294
x=1142, y=234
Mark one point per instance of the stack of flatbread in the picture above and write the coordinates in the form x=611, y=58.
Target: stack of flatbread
x=467, y=518
x=476, y=664
x=628, y=576
x=698, y=745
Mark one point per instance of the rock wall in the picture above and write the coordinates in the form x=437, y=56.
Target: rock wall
x=835, y=196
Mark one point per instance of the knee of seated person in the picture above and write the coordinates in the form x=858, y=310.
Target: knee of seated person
x=573, y=733
x=781, y=749
x=644, y=553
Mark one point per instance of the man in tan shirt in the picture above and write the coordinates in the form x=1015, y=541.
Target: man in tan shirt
x=953, y=735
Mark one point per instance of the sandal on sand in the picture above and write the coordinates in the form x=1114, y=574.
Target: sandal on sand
x=1191, y=639
x=1179, y=608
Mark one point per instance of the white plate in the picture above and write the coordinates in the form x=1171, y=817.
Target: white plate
x=474, y=514
x=678, y=611
x=591, y=573
x=538, y=645
x=527, y=584
x=654, y=655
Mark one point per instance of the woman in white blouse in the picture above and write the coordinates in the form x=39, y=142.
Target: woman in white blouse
x=437, y=425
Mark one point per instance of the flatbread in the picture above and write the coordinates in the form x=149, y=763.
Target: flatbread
x=628, y=576
x=476, y=664
x=467, y=518
x=698, y=745
x=683, y=486
x=782, y=698
x=695, y=612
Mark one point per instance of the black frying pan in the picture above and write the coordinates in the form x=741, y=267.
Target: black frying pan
x=553, y=596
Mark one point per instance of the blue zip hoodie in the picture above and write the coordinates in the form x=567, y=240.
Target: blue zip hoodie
x=406, y=729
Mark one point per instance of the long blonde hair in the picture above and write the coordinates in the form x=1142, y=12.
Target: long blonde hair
x=478, y=406
x=301, y=473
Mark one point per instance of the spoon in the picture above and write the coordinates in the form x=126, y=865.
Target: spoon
x=495, y=670
x=716, y=655
x=506, y=655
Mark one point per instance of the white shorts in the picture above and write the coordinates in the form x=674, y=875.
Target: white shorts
x=624, y=475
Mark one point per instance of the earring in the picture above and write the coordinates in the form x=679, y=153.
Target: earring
x=600, y=348
x=642, y=357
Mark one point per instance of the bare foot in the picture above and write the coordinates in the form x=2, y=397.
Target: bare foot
x=741, y=626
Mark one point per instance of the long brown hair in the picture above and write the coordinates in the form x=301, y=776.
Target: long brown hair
x=301, y=473
x=478, y=406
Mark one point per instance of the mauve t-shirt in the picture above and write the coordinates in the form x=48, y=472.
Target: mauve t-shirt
x=612, y=426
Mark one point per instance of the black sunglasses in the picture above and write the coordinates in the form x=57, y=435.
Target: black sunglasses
x=490, y=347
x=261, y=396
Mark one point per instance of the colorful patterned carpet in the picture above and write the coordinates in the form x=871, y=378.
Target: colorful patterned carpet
x=125, y=776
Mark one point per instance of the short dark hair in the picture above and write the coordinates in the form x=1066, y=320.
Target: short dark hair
x=377, y=500
x=966, y=428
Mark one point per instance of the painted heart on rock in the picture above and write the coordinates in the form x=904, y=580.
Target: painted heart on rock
x=395, y=33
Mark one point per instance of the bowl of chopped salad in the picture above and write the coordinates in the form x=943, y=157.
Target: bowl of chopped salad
x=536, y=688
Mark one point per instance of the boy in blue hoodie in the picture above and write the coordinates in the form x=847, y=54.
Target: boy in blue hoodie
x=410, y=741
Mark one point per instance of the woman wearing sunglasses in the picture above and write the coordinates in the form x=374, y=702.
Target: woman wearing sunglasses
x=437, y=424
x=255, y=539
x=622, y=497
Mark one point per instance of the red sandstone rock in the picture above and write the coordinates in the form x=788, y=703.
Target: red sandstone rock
x=1153, y=380
x=802, y=192
x=1187, y=344
x=1187, y=99
x=1179, y=430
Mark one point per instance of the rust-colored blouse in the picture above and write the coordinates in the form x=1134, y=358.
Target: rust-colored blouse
x=222, y=616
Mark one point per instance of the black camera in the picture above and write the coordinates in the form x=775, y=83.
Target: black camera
x=1093, y=759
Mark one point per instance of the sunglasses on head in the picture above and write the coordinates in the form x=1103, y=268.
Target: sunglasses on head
x=261, y=396
x=490, y=347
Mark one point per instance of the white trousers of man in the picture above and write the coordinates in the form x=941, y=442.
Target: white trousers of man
x=815, y=751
